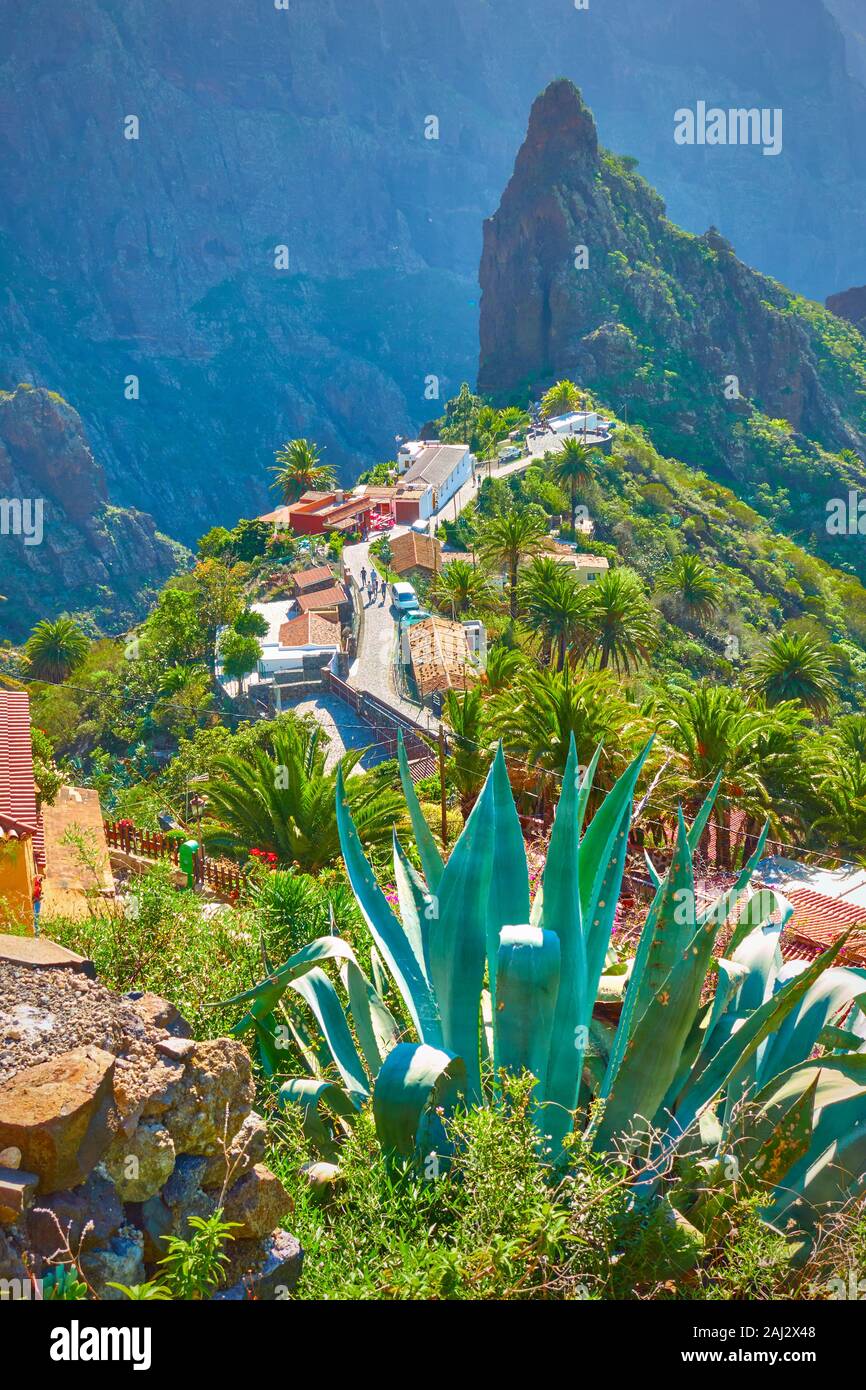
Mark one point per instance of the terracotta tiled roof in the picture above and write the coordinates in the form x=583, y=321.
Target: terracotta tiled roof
x=311, y=579
x=310, y=630
x=414, y=551
x=17, y=787
x=440, y=656
x=321, y=598
x=819, y=921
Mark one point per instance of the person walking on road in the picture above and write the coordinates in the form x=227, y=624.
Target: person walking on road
x=363, y=576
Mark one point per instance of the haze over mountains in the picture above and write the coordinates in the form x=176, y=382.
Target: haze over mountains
x=155, y=257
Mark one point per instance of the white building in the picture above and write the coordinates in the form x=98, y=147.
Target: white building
x=296, y=642
x=435, y=472
x=578, y=422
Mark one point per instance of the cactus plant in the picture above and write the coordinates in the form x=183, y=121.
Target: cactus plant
x=486, y=984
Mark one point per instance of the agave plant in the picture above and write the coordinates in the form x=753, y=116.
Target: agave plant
x=487, y=985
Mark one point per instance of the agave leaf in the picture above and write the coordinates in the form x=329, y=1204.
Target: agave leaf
x=414, y=906
x=529, y=962
x=761, y=955
x=601, y=863
x=733, y=1055
x=432, y=863
x=486, y=1026
x=377, y=970
x=777, y=1141
x=655, y=876
x=585, y=791
x=674, y=926
x=266, y=1044
x=725, y=905
x=509, y=880
x=561, y=914
x=413, y=1079
x=839, y=1040
x=836, y=1158
x=385, y=929
x=311, y=1095
x=703, y=1035
x=375, y=1025
x=317, y=991
x=827, y=998
x=582, y=881
x=652, y=1055
x=265, y=996
x=663, y=948
x=702, y=819
x=457, y=936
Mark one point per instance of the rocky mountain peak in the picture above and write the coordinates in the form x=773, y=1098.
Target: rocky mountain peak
x=561, y=133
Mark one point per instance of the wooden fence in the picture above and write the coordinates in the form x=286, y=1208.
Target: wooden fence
x=223, y=878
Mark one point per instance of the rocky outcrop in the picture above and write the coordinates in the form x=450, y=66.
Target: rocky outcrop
x=850, y=305
x=584, y=276
x=114, y=1131
x=71, y=549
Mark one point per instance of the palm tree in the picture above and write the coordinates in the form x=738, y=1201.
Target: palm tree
x=794, y=666
x=560, y=399
x=572, y=468
x=299, y=469
x=841, y=818
x=693, y=586
x=508, y=539
x=503, y=664
x=470, y=762
x=556, y=605
x=459, y=587
x=285, y=801
x=537, y=715
x=623, y=623
x=55, y=648
x=714, y=728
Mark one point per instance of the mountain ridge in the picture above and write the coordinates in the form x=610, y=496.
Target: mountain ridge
x=728, y=370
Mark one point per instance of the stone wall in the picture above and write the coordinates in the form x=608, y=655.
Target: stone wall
x=116, y=1126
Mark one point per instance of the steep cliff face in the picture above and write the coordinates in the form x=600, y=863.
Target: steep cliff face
x=306, y=127
x=672, y=329
x=63, y=546
x=850, y=305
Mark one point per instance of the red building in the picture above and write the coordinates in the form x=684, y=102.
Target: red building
x=317, y=513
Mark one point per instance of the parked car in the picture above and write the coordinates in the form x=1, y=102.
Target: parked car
x=509, y=454
x=405, y=598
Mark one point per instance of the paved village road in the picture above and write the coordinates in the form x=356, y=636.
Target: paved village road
x=373, y=668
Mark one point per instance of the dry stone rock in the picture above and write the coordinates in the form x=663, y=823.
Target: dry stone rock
x=257, y=1202
x=145, y=1083
x=61, y=1115
x=39, y=953
x=265, y=1269
x=246, y=1148
x=168, y=1213
x=16, y=1193
x=209, y=1109
x=62, y=1218
x=159, y=1013
x=121, y=1261
x=138, y=1165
